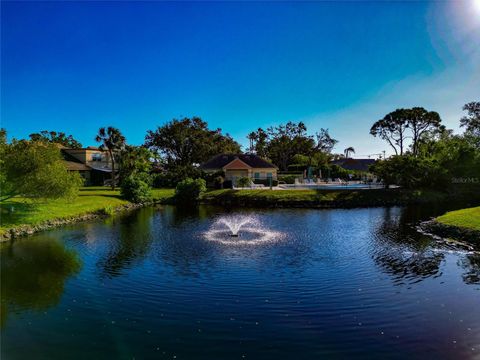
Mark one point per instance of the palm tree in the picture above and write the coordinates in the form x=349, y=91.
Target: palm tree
x=348, y=151
x=112, y=140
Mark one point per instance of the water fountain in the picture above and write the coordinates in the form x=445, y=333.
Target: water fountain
x=241, y=230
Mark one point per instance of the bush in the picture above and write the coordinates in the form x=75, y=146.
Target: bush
x=244, y=182
x=173, y=176
x=189, y=190
x=218, y=182
x=288, y=179
x=411, y=172
x=265, y=182
x=136, y=190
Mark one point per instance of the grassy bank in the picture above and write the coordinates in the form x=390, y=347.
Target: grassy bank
x=465, y=218
x=20, y=211
x=330, y=198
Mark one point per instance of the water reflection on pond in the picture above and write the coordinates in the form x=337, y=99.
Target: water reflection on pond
x=150, y=284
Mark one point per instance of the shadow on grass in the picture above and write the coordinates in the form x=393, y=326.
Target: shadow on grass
x=14, y=213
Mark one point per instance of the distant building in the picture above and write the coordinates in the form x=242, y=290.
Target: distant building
x=236, y=166
x=354, y=164
x=91, y=163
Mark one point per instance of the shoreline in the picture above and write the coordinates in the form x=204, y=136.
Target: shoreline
x=436, y=229
x=325, y=199
x=26, y=230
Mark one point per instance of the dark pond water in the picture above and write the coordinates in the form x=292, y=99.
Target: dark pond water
x=298, y=284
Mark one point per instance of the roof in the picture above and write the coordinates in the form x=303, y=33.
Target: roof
x=354, y=164
x=85, y=148
x=76, y=166
x=252, y=160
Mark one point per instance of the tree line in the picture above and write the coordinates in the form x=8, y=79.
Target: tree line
x=423, y=149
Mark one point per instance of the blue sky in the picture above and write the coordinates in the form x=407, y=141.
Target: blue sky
x=76, y=66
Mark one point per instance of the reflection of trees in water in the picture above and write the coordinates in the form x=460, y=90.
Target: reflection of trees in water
x=33, y=273
x=471, y=265
x=409, y=268
x=400, y=250
x=130, y=243
x=179, y=245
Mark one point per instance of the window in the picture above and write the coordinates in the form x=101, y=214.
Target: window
x=257, y=175
x=97, y=157
x=269, y=175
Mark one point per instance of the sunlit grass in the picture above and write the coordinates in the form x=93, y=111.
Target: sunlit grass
x=21, y=211
x=465, y=218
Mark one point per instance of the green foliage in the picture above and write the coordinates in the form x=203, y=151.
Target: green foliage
x=34, y=274
x=108, y=210
x=113, y=141
x=190, y=190
x=244, y=182
x=401, y=124
x=471, y=122
x=136, y=189
x=34, y=169
x=290, y=144
x=186, y=142
x=218, y=182
x=287, y=179
x=135, y=160
x=56, y=138
x=266, y=182
x=174, y=175
x=411, y=172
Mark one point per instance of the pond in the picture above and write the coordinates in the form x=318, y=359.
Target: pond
x=169, y=283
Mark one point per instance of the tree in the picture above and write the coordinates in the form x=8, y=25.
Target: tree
x=472, y=121
x=392, y=128
x=258, y=141
x=56, y=137
x=134, y=160
x=285, y=141
x=186, y=142
x=112, y=141
x=419, y=121
x=35, y=169
x=348, y=151
x=325, y=143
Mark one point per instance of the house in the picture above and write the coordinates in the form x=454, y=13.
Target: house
x=354, y=164
x=236, y=166
x=91, y=163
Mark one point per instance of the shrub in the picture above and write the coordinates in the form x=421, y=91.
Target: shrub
x=218, y=182
x=288, y=179
x=265, y=182
x=171, y=177
x=411, y=172
x=244, y=182
x=135, y=189
x=190, y=190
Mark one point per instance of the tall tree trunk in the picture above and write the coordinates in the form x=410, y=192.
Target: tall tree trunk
x=113, y=170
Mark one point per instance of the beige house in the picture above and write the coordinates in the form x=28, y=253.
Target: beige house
x=236, y=166
x=92, y=164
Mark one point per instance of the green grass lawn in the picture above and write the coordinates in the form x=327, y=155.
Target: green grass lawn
x=465, y=218
x=350, y=197
x=21, y=211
